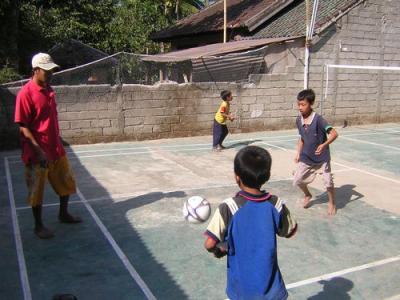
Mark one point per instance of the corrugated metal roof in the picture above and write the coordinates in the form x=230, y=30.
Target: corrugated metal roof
x=212, y=50
x=291, y=21
x=240, y=13
x=231, y=67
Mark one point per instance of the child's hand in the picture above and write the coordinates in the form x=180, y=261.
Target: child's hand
x=319, y=150
x=231, y=117
x=219, y=252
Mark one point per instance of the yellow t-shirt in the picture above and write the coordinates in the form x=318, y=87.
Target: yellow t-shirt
x=223, y=108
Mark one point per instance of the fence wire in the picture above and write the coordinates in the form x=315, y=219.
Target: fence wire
x=129, y=68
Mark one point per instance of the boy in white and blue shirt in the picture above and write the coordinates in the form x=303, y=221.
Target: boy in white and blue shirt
x=245, y=227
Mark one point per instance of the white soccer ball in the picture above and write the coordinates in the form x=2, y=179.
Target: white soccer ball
x=196, y=209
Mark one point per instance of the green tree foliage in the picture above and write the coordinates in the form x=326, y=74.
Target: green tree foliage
x=134, y=21
x=83, y=20
x=8, y=74
x=30, y=26
x=176, y=9
x=8, y=32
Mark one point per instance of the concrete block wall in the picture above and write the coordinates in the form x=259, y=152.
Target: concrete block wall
x=367, y=35
x=103, y=113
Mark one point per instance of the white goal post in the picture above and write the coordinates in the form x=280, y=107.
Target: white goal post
x=327, y=67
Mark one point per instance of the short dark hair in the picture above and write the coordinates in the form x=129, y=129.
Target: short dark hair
x=308, y=95
x=225, y=94
x=253, y=166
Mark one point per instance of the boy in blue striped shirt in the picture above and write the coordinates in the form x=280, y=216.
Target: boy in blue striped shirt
x=245, y=227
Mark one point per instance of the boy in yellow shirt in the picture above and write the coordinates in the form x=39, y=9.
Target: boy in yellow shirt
x=220, y=130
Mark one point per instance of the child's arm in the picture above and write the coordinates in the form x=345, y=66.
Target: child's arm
x=216, y=231
x=212, y=246
x=300, y=145
x=287, y=225
x=332, y=135
x=228, y=116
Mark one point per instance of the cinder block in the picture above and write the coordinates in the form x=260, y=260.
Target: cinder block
x=82, y=132
x=145, y=112
x=88, y=115
x=107, y=131
x=64, y=125
x=100, y=123
x=69, y=116
x=80, y=124
x=161, y=128
x=248, y=100
x=131, y=121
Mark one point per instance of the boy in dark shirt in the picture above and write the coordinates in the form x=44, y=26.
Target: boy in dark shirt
x=313, y=153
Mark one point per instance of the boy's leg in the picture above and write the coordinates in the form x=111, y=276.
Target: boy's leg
x=35, y=177
x=224, y=133
x=331, y=201
x=216, y=134
x=304, y=175
x=328, y=180
x=307, y=195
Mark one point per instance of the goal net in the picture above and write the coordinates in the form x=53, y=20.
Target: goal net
x=360, y=93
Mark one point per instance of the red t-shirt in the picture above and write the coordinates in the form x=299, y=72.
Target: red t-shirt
x=36, y=108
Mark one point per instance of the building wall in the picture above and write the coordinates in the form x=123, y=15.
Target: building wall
x=368, y=35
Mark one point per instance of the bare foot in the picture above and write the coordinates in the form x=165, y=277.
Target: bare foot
x=44, y=233
x=331, y=209
x=307, y=200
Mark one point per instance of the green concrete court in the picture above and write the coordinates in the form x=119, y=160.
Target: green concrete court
x=135, y=244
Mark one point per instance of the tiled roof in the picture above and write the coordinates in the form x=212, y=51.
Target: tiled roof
x=291, y=21
x=240, y=13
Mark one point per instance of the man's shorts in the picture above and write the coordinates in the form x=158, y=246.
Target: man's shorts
x=305, y=174
x=58, y=173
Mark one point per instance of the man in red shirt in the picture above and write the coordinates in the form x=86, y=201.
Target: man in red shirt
x=42, y=151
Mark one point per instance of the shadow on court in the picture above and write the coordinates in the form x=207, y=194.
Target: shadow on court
x=113, y=214
x=79, y=259
x=333, y=289
x=242, y=144
x=343, y=196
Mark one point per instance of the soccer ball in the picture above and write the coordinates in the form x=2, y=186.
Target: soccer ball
x=196, y=209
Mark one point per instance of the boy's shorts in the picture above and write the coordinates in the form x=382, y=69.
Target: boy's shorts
x=58, y=173
x=305, y=174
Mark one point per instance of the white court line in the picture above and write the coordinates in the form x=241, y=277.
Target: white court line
x=370, y=173
x=275, y=146
x=395, y=297
x=145, y=289
x=182, y=147
x=254, y=139
x=187, y=147
x=369, y=143
x=370, y=133
x=138, y=194
x=23, y=274
x=342, y=165
x=145, y=152
x=343, y=272
x=123, y=153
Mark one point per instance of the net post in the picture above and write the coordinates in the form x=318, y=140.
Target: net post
x=322, y=88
